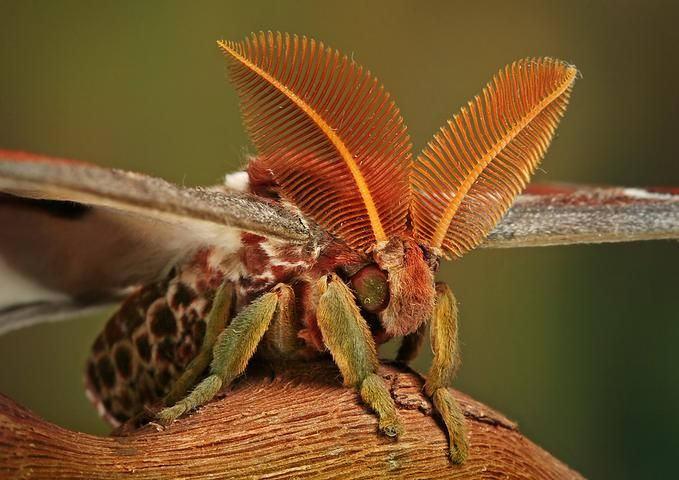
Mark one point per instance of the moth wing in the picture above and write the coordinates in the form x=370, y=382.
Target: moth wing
x=562, y=215
x=75, y=236
x=24, y=315
x=38, y=177
x=59, y=257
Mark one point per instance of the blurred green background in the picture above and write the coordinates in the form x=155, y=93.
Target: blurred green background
x=578, y=344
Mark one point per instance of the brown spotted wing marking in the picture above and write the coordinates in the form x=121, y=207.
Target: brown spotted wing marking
x=150, y=339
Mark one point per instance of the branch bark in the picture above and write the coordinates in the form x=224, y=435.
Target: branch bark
x=299, y=423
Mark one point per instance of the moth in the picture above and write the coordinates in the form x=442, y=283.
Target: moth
x=326, y=245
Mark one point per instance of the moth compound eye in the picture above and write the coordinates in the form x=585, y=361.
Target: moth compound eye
x=372, y=288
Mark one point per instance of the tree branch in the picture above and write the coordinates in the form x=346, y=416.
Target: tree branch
x=299, y=423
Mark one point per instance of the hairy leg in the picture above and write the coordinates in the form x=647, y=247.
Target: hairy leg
x=411, y=345
x=444, y=366
x=281, y=337
x=216, y=320
x=232, y=350
x=347, y=336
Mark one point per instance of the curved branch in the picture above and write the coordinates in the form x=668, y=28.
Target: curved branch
x=300, y=423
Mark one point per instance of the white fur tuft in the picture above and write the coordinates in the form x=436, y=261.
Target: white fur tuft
x=239, y=181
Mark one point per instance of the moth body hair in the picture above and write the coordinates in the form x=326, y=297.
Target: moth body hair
x=239, y=181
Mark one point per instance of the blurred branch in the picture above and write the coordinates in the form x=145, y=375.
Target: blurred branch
x=299, y=424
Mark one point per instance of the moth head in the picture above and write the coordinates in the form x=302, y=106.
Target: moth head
x=337, y=148
x=409, y=274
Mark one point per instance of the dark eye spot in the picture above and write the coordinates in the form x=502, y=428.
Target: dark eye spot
x=144, y=348
x=163, y=322
x=106, y=372
x=372, y=288
x=123, y=361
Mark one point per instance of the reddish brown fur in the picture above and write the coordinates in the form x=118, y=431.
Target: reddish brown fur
x=261, y=178
x=254, y=259
x=411, y=283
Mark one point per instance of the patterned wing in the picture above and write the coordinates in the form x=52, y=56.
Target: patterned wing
x=469, y=174
x=335, y=142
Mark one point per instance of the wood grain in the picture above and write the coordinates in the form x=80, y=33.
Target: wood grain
x=298, y=422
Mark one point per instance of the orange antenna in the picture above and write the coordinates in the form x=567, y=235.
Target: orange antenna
x=469, y=174
x=336, y=144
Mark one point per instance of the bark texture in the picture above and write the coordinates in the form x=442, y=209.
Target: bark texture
x=297, y=423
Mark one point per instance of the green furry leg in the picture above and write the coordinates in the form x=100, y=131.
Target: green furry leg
x=216, y=319
x=444, y=366
x=375, y=394
x=232, y=350
x=347, y=336
x=200, y=395
x=454, y=420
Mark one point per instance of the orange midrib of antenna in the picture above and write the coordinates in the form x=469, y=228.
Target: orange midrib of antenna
x=337, y=142
x=450, y=211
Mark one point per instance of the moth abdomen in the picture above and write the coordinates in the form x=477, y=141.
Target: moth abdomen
x=150, y=340
x=159, y=329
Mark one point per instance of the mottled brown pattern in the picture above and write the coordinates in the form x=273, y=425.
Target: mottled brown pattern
x=148, y=342
x=122, y=356
x=160, y=327
x=163, y=321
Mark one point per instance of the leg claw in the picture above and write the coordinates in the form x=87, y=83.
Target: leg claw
x=168, y=415
x=453, y=418
x=459, y=450
x=391, y=427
